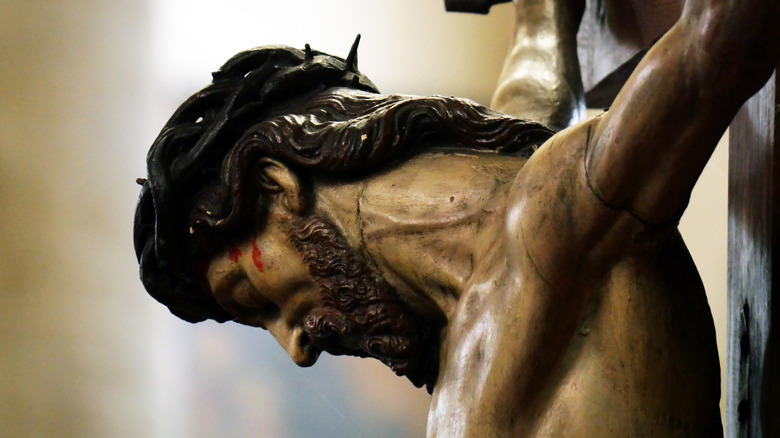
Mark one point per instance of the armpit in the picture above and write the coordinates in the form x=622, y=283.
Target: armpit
x=563, y=221
x=643, y=218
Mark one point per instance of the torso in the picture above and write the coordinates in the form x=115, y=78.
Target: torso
x=578, y=320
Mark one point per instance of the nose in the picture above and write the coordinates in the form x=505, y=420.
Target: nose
x=295, y=342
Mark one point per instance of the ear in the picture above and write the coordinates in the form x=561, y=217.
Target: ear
x=275, y=177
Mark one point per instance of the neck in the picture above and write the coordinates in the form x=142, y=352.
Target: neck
x=425, y=224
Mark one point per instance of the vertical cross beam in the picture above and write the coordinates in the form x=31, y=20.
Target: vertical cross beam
x=753, y=238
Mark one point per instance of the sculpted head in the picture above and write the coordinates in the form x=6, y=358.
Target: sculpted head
x=227, y=226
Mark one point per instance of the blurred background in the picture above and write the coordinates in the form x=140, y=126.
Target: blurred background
x=85, y=86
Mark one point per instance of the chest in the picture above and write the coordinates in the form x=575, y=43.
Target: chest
x=521, y=361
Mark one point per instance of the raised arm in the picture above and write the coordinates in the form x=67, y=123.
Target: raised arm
x=541, y=79
x=647, y=152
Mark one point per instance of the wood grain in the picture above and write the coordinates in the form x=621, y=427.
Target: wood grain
x=752, y=242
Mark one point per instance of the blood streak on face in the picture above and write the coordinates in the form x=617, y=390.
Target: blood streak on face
x=235, y=253
x=256, y=256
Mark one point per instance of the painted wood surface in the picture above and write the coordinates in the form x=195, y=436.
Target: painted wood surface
x=751, y=402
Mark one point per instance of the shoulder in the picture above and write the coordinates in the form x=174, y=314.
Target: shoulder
x=555, y=218
x=561, y=156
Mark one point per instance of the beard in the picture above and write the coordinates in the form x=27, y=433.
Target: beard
x=361, y=314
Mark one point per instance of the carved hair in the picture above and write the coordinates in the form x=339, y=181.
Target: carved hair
x=312, y=111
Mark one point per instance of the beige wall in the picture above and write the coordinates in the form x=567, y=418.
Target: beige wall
x=74, y=350
x=84, y=87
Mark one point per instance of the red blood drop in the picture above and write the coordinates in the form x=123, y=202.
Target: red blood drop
x=256, y=256
x=235, y=253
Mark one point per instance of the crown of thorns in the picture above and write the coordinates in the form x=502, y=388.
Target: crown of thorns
x=189, y=150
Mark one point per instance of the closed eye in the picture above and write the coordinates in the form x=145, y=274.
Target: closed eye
x=266, y=313
x=251, y=306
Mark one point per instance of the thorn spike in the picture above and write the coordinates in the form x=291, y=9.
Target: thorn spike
x=309, y=54
x=351, y=62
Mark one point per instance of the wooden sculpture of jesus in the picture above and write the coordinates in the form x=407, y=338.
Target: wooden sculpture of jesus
x=528, y=273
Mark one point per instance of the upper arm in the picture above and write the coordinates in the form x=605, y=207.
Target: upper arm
x=557, y=226
x=647, y=152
